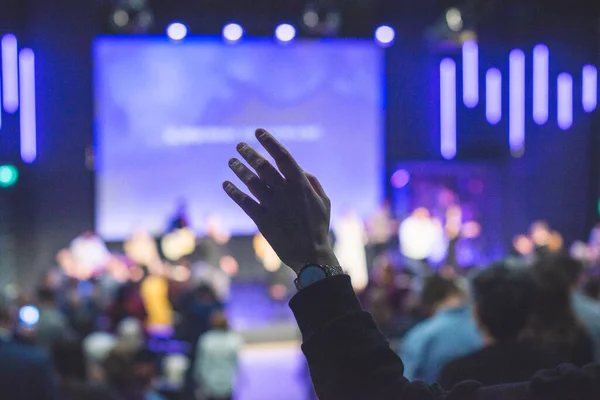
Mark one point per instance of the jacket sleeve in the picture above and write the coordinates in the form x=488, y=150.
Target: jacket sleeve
x=348, y=356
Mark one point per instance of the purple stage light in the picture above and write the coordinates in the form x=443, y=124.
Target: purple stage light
x=233, y=32
x=493, y=96
x=564, y=96
x=448, y=108
x=540, y=84
x=384, y=35
x=400, y=178
x=28, y=122
x=10, y=74
x=589, y=90
x=516, y=128
x=177, y=31
x=470, y=54
x=285, y=33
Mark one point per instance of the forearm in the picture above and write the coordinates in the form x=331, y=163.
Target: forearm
x=348, y=356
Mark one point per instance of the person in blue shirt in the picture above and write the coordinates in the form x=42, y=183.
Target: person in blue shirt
x=448, y=334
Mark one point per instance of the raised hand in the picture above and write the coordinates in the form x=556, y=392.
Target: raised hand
x=292, y=211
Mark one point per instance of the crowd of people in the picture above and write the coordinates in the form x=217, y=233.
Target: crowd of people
x=151, y=323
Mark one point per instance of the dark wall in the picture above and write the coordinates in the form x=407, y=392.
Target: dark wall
x=57, y=190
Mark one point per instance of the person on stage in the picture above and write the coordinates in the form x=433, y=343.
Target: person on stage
x=420, y=235
x=379, y=232
x=349, y=247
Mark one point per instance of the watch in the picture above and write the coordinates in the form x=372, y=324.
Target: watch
x=312, y=273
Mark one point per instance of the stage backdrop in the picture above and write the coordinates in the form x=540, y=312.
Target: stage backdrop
x=168, y=116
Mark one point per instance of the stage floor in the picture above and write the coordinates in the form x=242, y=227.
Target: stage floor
x=259, y=318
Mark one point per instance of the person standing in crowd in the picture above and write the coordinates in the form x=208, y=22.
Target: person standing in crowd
x=419, y=234
x=541, y=236
x=349, y=358
x=503, y=303
x=554, y=325
x=154, y=291
x=350, y=240
x=216, y=361
x=25, y=372
x=52, y=324
x=379, y=232
x=449, y=333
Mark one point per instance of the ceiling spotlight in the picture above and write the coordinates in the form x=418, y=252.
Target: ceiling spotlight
x=454, y=19
x=285, y=33
x=233, y=32
x=384, y=35
x=177, y=31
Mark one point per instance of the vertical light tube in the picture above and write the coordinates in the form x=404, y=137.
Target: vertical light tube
x=589, y=89
x=10, y=74
x=28, y=121
x=448, y=108
x=540, y=84
x=516, y=128
x=470, y=54
x=564, y=97
x=493, y=96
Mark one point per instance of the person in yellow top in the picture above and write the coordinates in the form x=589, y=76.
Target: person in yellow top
x=155, y=294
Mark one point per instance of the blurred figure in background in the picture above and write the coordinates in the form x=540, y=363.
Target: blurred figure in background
x=52, y=324
x=504, y=299
x=379, y=232
x=449, y=333
x=216, y=362
x=70, y=364
x=154, y=291
x=419, y=236
x=145, y=372
x=540, y=235
x=586, y=309
x=521, y=253
x=554, y=325
x=25, y=372
x=350, y=240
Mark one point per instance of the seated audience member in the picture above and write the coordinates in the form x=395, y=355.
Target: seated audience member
x=349, y=358
x=25, y=373
x=145, y=372
x=119, y=375
x=591, y=289
x=448, y=334
x=554, y=325
x=503, y=303
x=52, y=325
x=217, y=359
x=587, y=309
x=69, y=361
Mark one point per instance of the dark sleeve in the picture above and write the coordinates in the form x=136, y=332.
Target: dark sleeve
x=583, y=351
x=349, y=358
x=449, y=376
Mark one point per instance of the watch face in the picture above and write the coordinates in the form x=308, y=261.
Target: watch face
x=311, y=274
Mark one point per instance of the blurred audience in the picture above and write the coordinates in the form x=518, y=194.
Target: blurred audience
x=504, y=299
x=447, y=334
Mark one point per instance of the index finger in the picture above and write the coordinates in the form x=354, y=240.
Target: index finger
x=285, y=162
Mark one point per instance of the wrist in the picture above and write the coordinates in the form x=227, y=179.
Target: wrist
x=320, y=256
